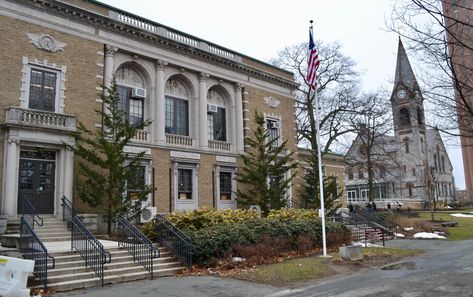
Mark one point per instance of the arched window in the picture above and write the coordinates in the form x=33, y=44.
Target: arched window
x=132, y=93
x=443, y=164
x=404, y=120
x=435, y=162
x=406, y=144
x=216, y=115
x=177, y=107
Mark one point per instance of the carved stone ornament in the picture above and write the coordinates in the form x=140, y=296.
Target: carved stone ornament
x=46, y=42
x=128, y=76
x=110, y=50
x=215, y=97
x=271, y=102
x=176, y=87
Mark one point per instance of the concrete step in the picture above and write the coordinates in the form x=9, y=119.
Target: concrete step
x=78, y=266
x=111, y=279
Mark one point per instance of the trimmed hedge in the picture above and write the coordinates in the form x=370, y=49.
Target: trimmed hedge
x=204, y=218
x=293, y=214
x=218, y=241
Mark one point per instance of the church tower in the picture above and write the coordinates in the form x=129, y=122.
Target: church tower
x=409, y=127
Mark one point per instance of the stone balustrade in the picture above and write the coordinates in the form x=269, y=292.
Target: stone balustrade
x=219, y=145
x=40, y=119
x=179, y=140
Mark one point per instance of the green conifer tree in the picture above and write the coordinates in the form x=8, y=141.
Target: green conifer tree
x=267, y=170
x=103, y=166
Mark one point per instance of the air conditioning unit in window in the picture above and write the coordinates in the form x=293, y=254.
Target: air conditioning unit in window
x=147, y=214
x=138, y=93
x=211, y=108
x=274, y=125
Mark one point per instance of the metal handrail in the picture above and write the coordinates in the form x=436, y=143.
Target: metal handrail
x=28, y=210
x=32, y=248
x=137, y=244
x=84, y=242
x=177, y=241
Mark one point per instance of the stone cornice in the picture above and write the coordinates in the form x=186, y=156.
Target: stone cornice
x=73, y=12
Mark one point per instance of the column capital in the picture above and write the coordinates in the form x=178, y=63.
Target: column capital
x=110, y=50
x=13, y=139
x=160, y=64
x=203, y=76
x=238, y=87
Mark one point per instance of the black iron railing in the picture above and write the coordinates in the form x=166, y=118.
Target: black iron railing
x=32, y=248
x=30, y=214
x=137, y=244
x=174, y=239
x=84, y=242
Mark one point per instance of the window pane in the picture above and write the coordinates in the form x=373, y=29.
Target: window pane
x=185, y=185
x=273, y=131
x=219, y=126
x=123, y=95
x=225, y=185
x=42, y=90
x=210, y=126
x=177, y=116
x=136, y=111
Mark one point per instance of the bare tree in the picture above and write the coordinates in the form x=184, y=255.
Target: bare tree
x=429, y=179
x=440, y=35
x=373, y=150
x=338, y=88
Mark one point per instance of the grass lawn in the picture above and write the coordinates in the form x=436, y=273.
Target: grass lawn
x=313, y=268
x=464, y=229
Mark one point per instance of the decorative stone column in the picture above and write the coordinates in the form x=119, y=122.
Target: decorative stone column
x=160, y=108
x=203, y=138
x=239, y=118
x=110, y=52
x=68, y=173
x=10, y=191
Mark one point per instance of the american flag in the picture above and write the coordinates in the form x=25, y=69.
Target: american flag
x=313, y=62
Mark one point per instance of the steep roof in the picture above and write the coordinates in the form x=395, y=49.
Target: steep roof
x=404, y=74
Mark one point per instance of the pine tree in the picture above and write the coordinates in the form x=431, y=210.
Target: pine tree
x=104, y=168
x=265, y=171
x=310, y=195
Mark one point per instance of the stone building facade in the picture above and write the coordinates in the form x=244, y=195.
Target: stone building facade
x=200, y=97
x=410, y=162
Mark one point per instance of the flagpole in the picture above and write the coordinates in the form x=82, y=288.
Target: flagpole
x=321, y=178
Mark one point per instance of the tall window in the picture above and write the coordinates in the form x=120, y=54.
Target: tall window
x=406, y=144
x=351, y=195
x=443, y=164
x=225, y=185
x=185, y=184
x=272, y=125
x=132, y=107
x=217, y=115
x=136, y=184
x=350, y=174
x=42, y=90
x=177, y=116
x=217, y=129
x=177, y=107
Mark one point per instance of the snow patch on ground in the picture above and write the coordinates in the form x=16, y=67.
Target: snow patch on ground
x=408, y=229
x=367, y=244
x=399, y=235
x=461, y=215
x=426, y=235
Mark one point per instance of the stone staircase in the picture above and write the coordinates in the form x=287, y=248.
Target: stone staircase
x=70, y=271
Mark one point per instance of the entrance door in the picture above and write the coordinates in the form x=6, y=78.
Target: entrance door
x=36, y=180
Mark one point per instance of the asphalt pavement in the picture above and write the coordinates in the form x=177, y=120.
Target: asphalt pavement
x=445, y=269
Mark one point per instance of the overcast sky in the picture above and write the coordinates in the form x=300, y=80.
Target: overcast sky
x=260, y=28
